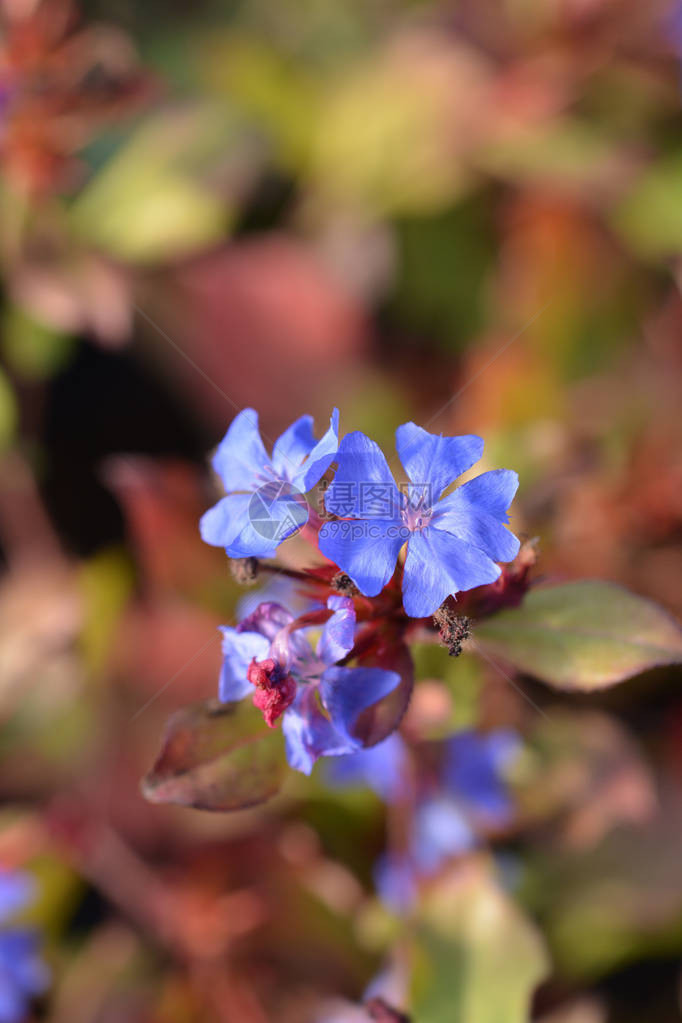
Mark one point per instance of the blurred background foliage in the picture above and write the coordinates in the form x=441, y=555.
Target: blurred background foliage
x=468, y=213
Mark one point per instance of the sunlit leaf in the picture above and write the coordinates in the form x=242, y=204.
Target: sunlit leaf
x=583, y=635
x=8, y=411
x=567, y=151
x=279, y=95
x=216, y=756
x=149, y=203
x=650, y=217
x=391, y=129
x=106, y=582
x=32, y=349
x=477, y=959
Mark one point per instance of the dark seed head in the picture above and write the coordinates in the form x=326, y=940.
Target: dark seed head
x=453, y=629
x=343, y=583
x=244, y=570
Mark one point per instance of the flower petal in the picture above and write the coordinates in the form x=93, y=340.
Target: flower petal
x=346, y=692
x=338, y=634
x=433, y=460
x=222, y=524
x=493, y=491
x=473, y=771
x=363, y=486
x=275, y=512
x=17, y=890
x=290, y=649
x=439, y=564
x=440, y=831
x=381, y=767
x=366, y=549
x=396, y=881
x=13, y=1001
x=267, y=619
x=295, y=654
x=309, y=734
x=240, y=457
x=20, y=957
x=320, y=458
x=239, y=648
x=260, y=537
x=476, y=511
x=292, y=447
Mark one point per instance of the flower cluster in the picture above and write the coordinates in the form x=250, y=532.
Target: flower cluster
x=23, y=974
x=264, y=490
x=453, y=542
x=320, y=701
x=385, y=555
x=467, y=796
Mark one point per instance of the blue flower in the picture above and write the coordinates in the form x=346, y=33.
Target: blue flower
x=319, y=700
x=264, y=503
x=381, y=767
x=23, y=974
x=16, y=892
x=453, y=542
x=470, y=796
x=474, y=774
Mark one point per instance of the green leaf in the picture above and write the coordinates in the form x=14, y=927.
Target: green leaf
x=106, y=581
x=216, y=756
x=8, y=412
x=650, y=217
x=567, y=151
x=583, y=635
x=150, y=202
x=477, y=959
x=34, y=350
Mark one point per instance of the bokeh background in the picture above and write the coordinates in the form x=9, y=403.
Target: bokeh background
x=466, y=213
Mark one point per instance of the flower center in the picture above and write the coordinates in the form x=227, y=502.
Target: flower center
x=275, y=690
x=264, y=476
x=416, y=513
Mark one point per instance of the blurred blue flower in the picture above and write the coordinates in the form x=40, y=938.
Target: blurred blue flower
x=473, y=773
x=452, y=543
x=469, y=796
x=381, y=768
x=264, y=503
x=320, y=700
x=23, y=974
x=16, y=892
